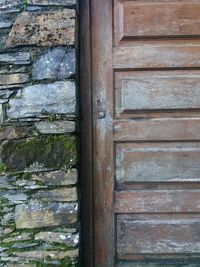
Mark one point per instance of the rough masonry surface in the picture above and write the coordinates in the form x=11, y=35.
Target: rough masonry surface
x=39, y=195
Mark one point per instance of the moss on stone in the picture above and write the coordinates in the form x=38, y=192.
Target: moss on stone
x=26, y=175
x=4, y=202
x=42, y=264
x=24, y=5
x=3, y=168
x=58, y=247
x=46, y=152
x=66, y=263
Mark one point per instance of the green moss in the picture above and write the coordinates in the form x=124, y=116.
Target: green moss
x=42, y=152
x=3, y=168
x=42, y=264
x=22, y=175
x=58, y=247
x=53, y=117
x=66, y=263
x=26, y=176
x=48, y=262
x=6, y=245
x=4, y=201
x=24, y=5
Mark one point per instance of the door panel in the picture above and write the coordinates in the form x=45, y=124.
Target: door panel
x=156, y=18
x=157, y=236
x=163, y=162
x=157, y=201
x=157, y=56
x=158, y=129
x=194, y=263
x=161, y=90
x=146, y=132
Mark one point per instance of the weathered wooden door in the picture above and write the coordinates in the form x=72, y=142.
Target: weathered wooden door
x=145, y=75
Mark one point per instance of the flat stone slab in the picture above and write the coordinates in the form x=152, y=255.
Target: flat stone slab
x=6, y=20
x=51, y=2
x=15, y=264
x=19, y=237
x=55, y=127
x=5, y=94
x=57, y=63
x=6, y=182
x=7, y=219
x=57, y=178
x=57, y=195
x=54, y=98
x=23, y=245
x=38, y=214
x=19, y=58
x=69, y=239
x=4, y=24
x=41, y=255
x=43, y=29
x=13, y=133
x=10, y=5
x=10, y=69
x=12, y=79
x=14, y=196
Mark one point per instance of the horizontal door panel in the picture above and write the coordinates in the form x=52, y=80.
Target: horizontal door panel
x=156, y=18
x=161, y=162
x=158, y=90
x=163, y=201
x=157, y=236
x=158, y=56
x=187, y=262
x=157, y=129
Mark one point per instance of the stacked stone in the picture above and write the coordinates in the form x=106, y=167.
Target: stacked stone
x=38, y=134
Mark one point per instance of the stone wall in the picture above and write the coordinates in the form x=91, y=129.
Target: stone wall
x=39, y=212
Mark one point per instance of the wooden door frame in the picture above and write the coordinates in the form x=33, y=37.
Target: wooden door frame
x=97, y=181
x=86, y=174
x=95, y=37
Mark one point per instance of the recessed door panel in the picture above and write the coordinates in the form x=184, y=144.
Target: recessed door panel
x=157, y=236
x=153, y=19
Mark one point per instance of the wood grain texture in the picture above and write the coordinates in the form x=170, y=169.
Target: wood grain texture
x=151, y=19
x=158, y=90
x=145, y=95
x=157, y=236
x=184, y=262
x=162, y=129
x=102, y=84
x=158, y=201
x=86, y=181
x=161, y=162
x=156, y=56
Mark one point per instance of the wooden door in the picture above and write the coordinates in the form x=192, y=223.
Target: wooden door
x=145, y=115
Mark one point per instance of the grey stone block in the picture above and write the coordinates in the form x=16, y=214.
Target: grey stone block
x=57, y=63
x=54, y=98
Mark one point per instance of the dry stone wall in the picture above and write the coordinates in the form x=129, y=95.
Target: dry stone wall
x=39, y=204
